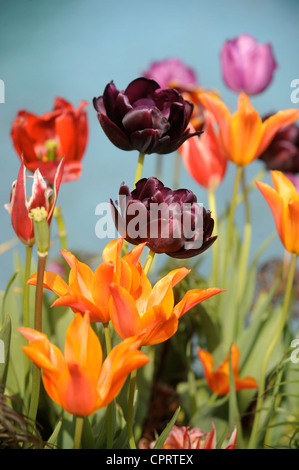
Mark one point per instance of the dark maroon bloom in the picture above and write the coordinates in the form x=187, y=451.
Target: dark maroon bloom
x=171, y=222
x=283, y=152
x=144, y=117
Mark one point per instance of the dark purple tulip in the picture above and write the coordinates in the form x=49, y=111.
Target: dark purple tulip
x=171, y=222
x=283, y=152
x=144, y=117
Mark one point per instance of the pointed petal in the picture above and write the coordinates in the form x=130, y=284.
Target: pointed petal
x=53, y=282
x=57, y=183
x=104, y=275
x=274, y=123
x=246, y=382
x=161, y=288
x=210, y=440
x=158, y=326
x=80, y=304
x=82, y=345
x=112, y=251
x=123, y=312
x=221, y=113
x=123, y=359
x=194, y=297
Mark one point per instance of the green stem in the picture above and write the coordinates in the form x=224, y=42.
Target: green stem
x=215, y=250
x=78, y=432
x=26, y=286
x=37, y=326
x=111, y=406
x=176, y=170
x=231, y=220
x=246, y=243
x=131, y=409
x=254, y=438
x=61, y=227
x=139, y=168
x=133, y=375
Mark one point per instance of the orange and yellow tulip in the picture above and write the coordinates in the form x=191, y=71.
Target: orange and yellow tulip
x=152, y=310
x=283, y=200
x=218, y=380
x=89, y=291
x=244, y=135
x=79, y=381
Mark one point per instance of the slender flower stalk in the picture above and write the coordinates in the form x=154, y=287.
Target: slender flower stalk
x=78, y=432
x=133, y=375
x=26, y=286
x=215, y=250
x=139, y=167
x=255, y=435
x=62, y=233
x=36, y=374
x=111, y=406
x=230, y=223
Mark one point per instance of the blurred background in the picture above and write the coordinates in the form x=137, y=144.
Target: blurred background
x=73, y=48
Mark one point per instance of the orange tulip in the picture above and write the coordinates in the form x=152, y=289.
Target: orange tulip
x=218, y=380
x=89, y=291
x=78, y=380
x=284, y=204
x=204, y=157
x=243, y=134
x=152, y=310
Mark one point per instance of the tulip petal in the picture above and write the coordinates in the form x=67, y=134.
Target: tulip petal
x=158, y=325
x=275, y=202
x=221, y=113
x=80, y=304
x=275, y=122
x=53, y=282
x=123, y=359
x=123, y=312
x=194, y=297
x=104, y=275
x=161, y=288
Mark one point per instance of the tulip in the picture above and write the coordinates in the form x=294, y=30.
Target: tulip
x=204, y=157
x=169, y=221
x=144, y=117
x=78, y=380
x=244, y=136
x=89, y=291
x=42, y=141
x=185, y=437
x=172, y=73
x=153, y=311
x=218, y=380
x=247, y=65
x=282, y=153
x=20, y=207
x=283, y=201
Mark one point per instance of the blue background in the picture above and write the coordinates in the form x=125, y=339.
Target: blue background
x=73, y=48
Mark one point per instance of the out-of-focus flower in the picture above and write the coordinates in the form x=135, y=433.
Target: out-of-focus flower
x=172, y=73
x=282, y=153
x=218, y=380
x=42, y=141
x=20, y=206
x=247, y=65
x=204, y=157
x=89, y=291
x=144, y=117
x=170, y=222
x=78, y=380
x=152, y=310
x=243, y=134
x=185, y=437
x=283, y=201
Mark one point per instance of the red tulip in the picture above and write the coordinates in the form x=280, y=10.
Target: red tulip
x=20, y=206
x=42, y=141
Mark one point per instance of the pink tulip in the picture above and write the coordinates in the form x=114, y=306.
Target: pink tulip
x=247, y=65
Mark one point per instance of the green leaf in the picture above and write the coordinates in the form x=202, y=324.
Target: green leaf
x=54, y=436
x=163, y=436
x=5, y=335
